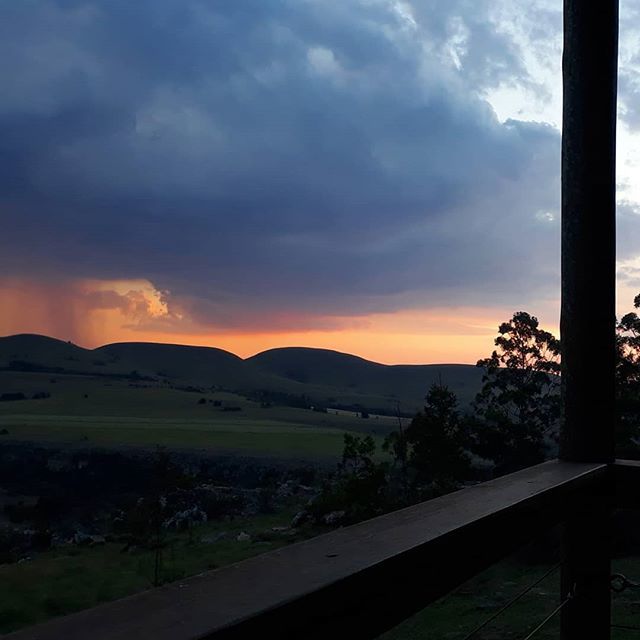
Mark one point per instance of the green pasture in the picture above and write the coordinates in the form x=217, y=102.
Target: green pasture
x=90, y=411
x=253, y=438
x=72, y=578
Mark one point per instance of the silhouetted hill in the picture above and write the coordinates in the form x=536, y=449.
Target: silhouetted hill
x=37, y=350
x=179, y=364
x=406, y=383
x=317, y=366
x=323, y=376
x=194, y=364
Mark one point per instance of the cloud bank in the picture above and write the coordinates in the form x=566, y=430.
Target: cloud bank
x=279, y=162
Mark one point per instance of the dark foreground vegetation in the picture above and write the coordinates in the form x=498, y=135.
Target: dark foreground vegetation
x=512, y=424
x=79, y=527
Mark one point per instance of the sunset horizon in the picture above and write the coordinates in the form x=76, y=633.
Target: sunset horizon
x=93, y=314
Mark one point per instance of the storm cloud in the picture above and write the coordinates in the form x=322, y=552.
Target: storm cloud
x=275, y=158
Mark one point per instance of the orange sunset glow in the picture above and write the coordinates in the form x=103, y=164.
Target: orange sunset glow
x=92, y=313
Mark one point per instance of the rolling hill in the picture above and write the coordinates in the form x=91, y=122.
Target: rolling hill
x=197, y=365
x=324, y=376
x=351, y=374
x=46, y=352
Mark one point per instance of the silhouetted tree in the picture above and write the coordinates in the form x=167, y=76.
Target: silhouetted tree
x=144, y=521
x=357, y=454
x=435, y=439
x=628, y=383
x=519, y=402
x=358, y=489
x=396, y=444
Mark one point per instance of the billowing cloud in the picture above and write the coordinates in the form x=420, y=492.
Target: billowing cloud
x=279, y=162
x=84, y=311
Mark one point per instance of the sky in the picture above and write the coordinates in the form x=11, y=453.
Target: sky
x=374, y=176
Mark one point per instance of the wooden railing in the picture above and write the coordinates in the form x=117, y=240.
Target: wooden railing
x=361, y=580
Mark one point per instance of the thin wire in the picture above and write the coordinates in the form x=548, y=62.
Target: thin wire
x=511, y=602
x=625, y=627
x=553, y=613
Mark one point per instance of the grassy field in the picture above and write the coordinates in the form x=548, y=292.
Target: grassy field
x=72, y=578
x=254, y=438
x=90, y=411
x=462, y=611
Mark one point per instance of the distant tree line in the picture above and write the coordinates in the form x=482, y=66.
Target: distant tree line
x=513, y=423
x=12, y=396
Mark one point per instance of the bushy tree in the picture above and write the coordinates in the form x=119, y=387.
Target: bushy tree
x=358, y=455
x=435, y=439
x=428, y=456
x=519, y=402
x=359, y=488
x=628, y=383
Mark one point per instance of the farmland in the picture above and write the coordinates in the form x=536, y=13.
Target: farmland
x=92, y=411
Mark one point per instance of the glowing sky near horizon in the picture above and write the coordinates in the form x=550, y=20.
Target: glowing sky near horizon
x=374, y=176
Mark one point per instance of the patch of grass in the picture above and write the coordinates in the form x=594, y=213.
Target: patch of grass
x=154, y=400
x=114, y=414
x=460, y=612
x=258, y=439
x=69, y=579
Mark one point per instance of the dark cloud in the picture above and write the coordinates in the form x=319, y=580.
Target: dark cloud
x=329, y=158
x=629, y=64
x=628, y=230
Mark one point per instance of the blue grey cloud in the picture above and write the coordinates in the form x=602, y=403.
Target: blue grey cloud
x=327, y=157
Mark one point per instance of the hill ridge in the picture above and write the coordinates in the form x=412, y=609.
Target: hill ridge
x=327, y=376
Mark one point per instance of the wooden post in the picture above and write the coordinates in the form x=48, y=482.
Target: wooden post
x=587, y=323
x=588, y=229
